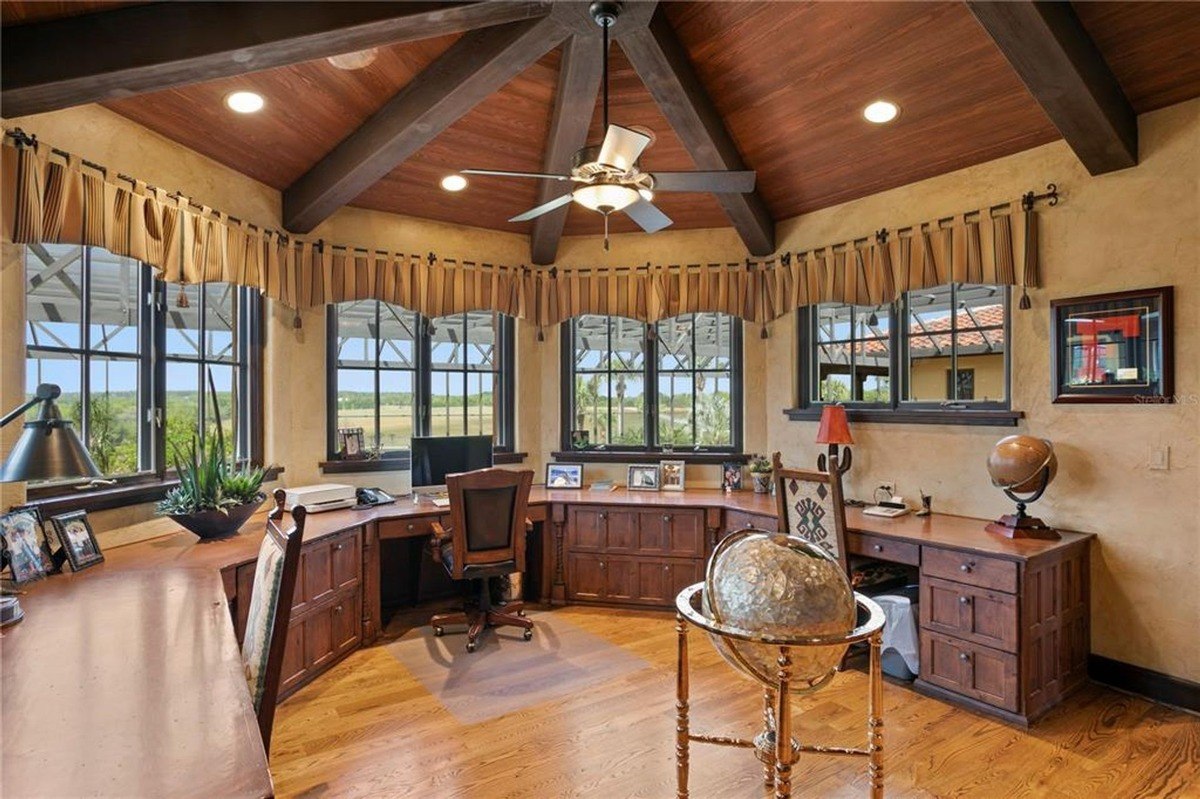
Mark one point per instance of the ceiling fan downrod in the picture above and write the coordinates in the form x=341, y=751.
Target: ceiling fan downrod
x=605, y=14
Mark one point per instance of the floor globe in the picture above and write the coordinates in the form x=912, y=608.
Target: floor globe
x=778, y=585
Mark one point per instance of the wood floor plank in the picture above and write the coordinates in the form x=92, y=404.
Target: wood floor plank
x=369, y=729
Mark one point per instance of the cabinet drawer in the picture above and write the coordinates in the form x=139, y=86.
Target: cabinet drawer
x=976, y=671
x=965, y=567
x=740, y=520
x=874, y=546
x=420, y=526
x=965, y=611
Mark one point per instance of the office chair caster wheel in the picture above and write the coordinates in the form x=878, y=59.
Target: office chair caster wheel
x=438, y=632
x=521, y=613
x=470, y=646
x=529, y=635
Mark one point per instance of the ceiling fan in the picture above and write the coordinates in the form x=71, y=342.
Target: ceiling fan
x=607, y=175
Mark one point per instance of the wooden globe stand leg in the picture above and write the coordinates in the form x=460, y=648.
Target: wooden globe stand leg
x=875, y=720
x=768, y=725
x=785, y=754
x=681, y=710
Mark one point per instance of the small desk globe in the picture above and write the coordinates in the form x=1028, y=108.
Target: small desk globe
x=779, y=585
x=1022, y=466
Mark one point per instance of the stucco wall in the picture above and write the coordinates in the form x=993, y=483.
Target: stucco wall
x=1130, y=229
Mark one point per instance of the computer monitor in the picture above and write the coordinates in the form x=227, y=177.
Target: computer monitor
x=434, y=457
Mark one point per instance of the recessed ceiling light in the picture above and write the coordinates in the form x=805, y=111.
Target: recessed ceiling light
x=881, y=111
x=244, y=102
x=454, y=183
x=355, y=60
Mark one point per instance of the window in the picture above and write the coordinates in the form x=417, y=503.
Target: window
x=949, y=352
x=130, y=367
x=633, y=386
x=397, y=374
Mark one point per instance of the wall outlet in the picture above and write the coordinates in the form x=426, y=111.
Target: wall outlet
x=1160, y=458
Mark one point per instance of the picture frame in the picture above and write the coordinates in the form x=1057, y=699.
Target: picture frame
x=78, y=540
x=731, y=476
x=564, y=475
x=52, y=555
x=580, y=439
x=23, y=552
x=1113, y=348
x=351, y=444
x=643, y=477
x=672, y=474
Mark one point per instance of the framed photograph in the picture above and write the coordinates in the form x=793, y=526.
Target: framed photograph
x=564, y=475
x=22, y=550
x=352, y=446
x=78, y=541
x=643, y=478
x=52, y=554
x=580, y=439
x=1113, y=347
x=672, y=475
x=731, y=476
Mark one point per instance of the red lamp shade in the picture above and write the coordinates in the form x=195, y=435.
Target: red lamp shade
x=834, y=429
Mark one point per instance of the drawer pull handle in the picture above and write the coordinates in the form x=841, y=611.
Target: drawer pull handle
x=964, y=600
x=601, y=564
x=603, y=516
x=338, y=609
x=666, y=568
x=967, y=567
x=412, y=527
x=666, y=517
x=338, y=547
x=878, y=547
x=964, y=657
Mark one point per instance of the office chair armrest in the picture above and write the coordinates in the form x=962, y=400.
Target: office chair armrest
x=439, y=537
x=528, y=525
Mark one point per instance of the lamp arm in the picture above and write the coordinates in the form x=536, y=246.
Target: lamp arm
x=44, y=393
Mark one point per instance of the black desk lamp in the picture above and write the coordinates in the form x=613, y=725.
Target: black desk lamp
x=49, y=448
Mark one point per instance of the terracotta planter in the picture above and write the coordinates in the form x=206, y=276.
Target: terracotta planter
x=761, y=482
x=210, y=524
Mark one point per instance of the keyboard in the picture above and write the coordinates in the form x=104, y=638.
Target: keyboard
x=441, y=502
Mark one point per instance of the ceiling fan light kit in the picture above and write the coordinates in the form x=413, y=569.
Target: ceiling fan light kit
x=608, y=176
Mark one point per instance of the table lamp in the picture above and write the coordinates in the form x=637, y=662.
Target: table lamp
x=49, y=448
x=834, y=430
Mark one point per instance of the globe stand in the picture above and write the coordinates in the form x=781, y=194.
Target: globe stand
x=775, y=747
x=1021, y=524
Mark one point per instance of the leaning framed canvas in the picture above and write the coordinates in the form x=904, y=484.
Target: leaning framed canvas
x=564, y=475
x=1113, y=347
x=22, y=551
x=77, y=539
x=643, y=478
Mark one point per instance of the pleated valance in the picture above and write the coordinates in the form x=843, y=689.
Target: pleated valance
x=52, y=197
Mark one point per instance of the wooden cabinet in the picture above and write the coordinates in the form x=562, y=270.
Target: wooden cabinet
x=632, y=556
x=979, y=672
x=977, y=614
x=741, y=520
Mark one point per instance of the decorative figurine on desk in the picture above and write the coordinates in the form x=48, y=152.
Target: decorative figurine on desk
x=1022, y=465
x=834, y=430
x=926, y=505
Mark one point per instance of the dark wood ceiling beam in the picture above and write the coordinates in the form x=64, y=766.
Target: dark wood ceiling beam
x=662, y=63
x=574, y=104
x=1061, y=66
x=474, y=67
x=94, y=57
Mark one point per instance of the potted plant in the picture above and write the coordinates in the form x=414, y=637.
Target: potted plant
x=760, y=474
x=215, y=496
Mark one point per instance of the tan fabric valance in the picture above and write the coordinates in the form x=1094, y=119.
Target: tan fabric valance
x=48, y=197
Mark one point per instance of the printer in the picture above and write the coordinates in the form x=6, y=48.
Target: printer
x=321, y=497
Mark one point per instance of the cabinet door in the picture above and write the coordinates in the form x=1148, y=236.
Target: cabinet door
x=318, y=639
x=623, y=531
x=347, y=622
x=347, y=560
x=585, y=576
x=586, y=527
x=969, y=669
x=620, y=579
x=685, y=533
x=314, y=581
x=654, y=582
x=683, y=574
x=654, y=532
x=294, y=670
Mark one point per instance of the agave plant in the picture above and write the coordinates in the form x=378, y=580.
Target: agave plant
x=208, y=477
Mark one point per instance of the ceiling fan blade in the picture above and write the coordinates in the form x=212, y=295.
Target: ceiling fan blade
x=717, y=182
x=621, y=147
x=500, y=173
x=544, y=208
x=648, y=217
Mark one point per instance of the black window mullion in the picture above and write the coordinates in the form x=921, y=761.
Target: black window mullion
x=650, y=404
x=85, y=340
x=423, y=379
x=693, y=365
x=953, y=392
x=378, y=370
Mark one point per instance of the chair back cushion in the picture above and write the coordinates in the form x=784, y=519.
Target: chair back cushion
x=487, y=513
x=256, y=646
x=810, y=507
x=487, y=519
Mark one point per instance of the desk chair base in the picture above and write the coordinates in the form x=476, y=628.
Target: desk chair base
x=482, y=616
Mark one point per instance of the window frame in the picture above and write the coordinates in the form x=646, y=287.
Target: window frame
x=650, y=373
x=899, y=410
x=152, y=481
x=808, y=319
x=504, y=427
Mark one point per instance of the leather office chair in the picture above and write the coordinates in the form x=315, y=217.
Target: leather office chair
x=486, y=538
x=271, y=611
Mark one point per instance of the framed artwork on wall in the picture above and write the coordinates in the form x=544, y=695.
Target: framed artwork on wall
x=1112, y=348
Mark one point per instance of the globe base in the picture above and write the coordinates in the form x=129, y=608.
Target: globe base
x=1021, y=526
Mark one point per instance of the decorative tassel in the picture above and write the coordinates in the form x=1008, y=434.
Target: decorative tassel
x=181, y=301
x=541, y=336
x=763, y=333
x=296, y=323
x=1025, y=304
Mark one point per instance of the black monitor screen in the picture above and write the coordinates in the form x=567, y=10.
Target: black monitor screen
x=434, y=457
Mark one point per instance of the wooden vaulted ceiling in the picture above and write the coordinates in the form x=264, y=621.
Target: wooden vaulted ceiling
x=788, y=80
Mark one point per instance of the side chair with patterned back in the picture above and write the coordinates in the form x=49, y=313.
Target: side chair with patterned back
x=271, y=611
x=810, y=507
x=485, y=539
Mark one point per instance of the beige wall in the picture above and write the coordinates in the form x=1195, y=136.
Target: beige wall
x=1130, y=229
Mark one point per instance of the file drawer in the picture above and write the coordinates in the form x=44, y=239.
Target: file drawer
x=969, y=568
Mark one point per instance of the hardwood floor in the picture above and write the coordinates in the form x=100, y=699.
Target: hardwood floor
x=368, y=729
